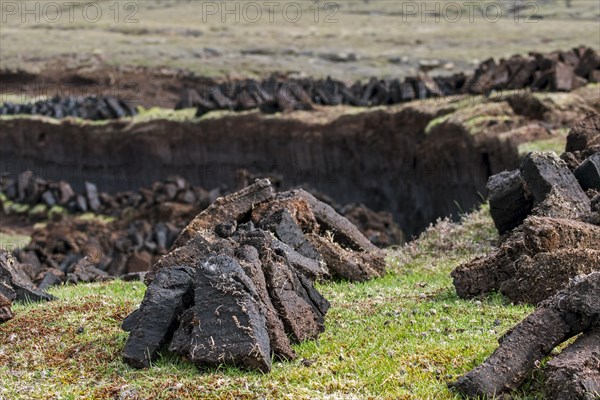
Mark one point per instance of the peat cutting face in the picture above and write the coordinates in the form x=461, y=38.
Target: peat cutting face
x=419, y=161
x=381, y=159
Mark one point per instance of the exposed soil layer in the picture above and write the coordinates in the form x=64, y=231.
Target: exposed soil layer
x=139, y=85
x=399, y=160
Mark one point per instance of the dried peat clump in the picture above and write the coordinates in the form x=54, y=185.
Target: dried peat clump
x=583, y=141
x=575, y=372
x=15, y=286
x=237, y=286
x=534, y=262
x=549, y=256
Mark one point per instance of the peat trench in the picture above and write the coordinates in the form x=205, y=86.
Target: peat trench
x=383, y=159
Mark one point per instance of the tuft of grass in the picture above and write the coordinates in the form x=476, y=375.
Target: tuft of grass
x=436, y=122
x=403, y=336
x=446, y=240
x=101, y=218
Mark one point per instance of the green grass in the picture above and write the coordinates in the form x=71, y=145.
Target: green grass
x=9, y=241
x=556, y=144
x=436, y=122
x=403, y=336
x=164, y=113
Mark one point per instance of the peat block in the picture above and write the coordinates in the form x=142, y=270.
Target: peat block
x=534, y=262
x=571, y=311
x=15, y=284
x=588, y=173
x=552, y=260
x=509, y=202
x=584, y=134
x=544, y=185
x=545, y=174
x=575, y=373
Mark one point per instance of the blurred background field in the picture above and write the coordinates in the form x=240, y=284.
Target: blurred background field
x=344, y=39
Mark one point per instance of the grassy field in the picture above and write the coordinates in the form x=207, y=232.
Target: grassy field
x=344, y=39
x=403, y=336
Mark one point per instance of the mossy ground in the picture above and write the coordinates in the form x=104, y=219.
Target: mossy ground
x=404, y=336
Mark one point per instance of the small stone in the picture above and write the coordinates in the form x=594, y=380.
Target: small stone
x=307, y=362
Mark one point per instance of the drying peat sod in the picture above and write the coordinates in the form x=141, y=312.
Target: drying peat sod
x=357, y=200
